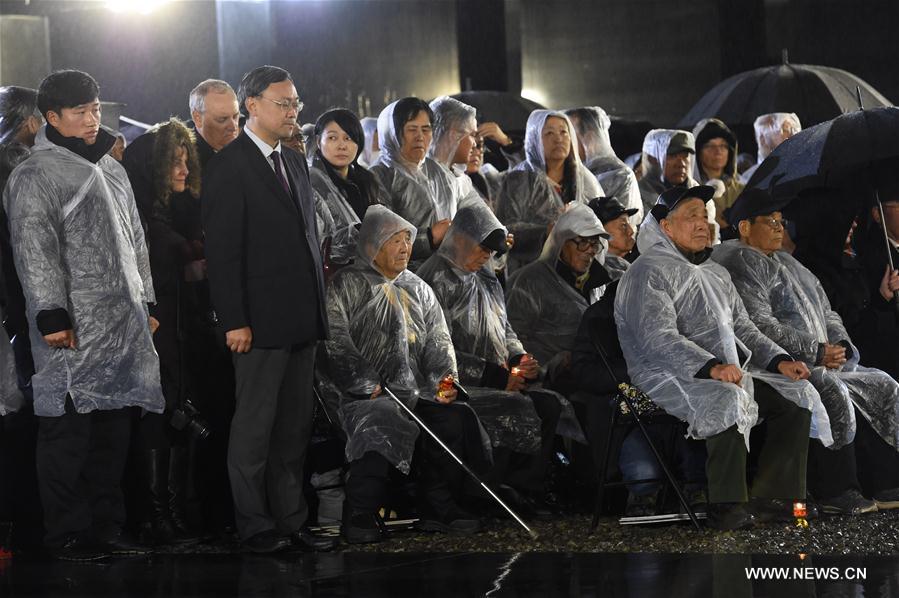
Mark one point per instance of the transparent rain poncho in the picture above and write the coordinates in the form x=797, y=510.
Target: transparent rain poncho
x=336, y=218
x=475, y=311
x=768, y=127
x=369, y=155
x=389, y=332
x=788, y=304
x=11, y=399
x=424, y=193
x=616, y=178
x=655, y=151
x=528, y=202
x=673, y=318
x=544, y=309
x=78, y=245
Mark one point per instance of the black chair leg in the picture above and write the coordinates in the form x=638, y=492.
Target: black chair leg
x=671, y=479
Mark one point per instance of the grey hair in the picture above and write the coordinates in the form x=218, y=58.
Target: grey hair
x=198, y=93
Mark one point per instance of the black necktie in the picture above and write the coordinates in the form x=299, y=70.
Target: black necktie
x=276, y=158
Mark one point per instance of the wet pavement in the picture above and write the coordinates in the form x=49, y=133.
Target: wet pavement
x=835, y=557
x=354, y=574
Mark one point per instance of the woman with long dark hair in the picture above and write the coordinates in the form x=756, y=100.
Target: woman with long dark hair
x=164, y=170
x=343, y=188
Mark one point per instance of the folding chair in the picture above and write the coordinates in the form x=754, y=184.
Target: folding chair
x=637, y=407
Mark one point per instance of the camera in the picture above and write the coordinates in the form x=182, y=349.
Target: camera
x=187, y=418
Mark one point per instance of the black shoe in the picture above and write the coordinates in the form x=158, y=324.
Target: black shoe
x=773, y=509
x=361, y=528
x=121, y=545
x=76, y=550
x=523, y=505
x=266, y=542
x=309, y=542
x=729, y=516
x=455, y=521
x=850, y=502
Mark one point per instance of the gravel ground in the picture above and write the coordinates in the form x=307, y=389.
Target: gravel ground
x=876, y=534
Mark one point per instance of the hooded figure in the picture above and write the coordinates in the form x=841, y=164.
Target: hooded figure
x=392, y=332
x=545, y=300
x=616, y=178
x=529, y=201
x=657, y=146
x=371, y=152
x=789, y=306
x=475, y=310
x=770, y=131
x=99, y=279
x=674, y=316
x=423, y=193
x=341, y=201
x=709, y=134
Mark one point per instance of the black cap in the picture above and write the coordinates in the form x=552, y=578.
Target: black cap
x=669, y=199
x=681, y=141
x=753, y=202
x=496, y=241
x=609, y=208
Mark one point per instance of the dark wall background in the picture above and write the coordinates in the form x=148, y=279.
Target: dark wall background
x=363, y=55
x=151, y=62
x=639, y=59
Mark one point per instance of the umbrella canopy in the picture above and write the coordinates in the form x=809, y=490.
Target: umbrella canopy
x=823, y=155
x=815, y=93
x=510, y=111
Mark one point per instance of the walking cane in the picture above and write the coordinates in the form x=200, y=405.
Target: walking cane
x=886, y=240
x=468, y=470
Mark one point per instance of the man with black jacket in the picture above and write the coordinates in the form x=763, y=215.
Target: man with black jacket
x=267, y=284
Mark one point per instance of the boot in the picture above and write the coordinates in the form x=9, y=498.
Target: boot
x=156, y=527
x=178, y=485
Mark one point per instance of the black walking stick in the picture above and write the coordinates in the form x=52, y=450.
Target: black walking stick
x=886, y=240
x=630, y=405
x=465, y=467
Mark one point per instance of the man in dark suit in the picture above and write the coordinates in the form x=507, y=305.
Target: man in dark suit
x=267, y=286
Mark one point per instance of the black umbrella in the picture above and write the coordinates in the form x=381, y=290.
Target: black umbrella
x=822, y=155
x=826, y=155
x=814, y=93
x=510, y=111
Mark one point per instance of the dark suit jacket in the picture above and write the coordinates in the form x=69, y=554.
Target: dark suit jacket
x=262, y=249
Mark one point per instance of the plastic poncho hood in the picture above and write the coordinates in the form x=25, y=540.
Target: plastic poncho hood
x=377, y=227
x=577, y=221
x=370, y=155
x=451, y=119
x=616, y=178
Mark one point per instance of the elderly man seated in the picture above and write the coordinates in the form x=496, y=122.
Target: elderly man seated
x=788, y=304
x=388, y=329
x=497, y=372
x=615, y=219
x=547, y=298
x=689, y=343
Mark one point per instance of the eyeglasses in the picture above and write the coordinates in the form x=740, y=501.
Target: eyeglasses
x=718, y=147
x=583, y=244
x=286, y=106
x=774, y=223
